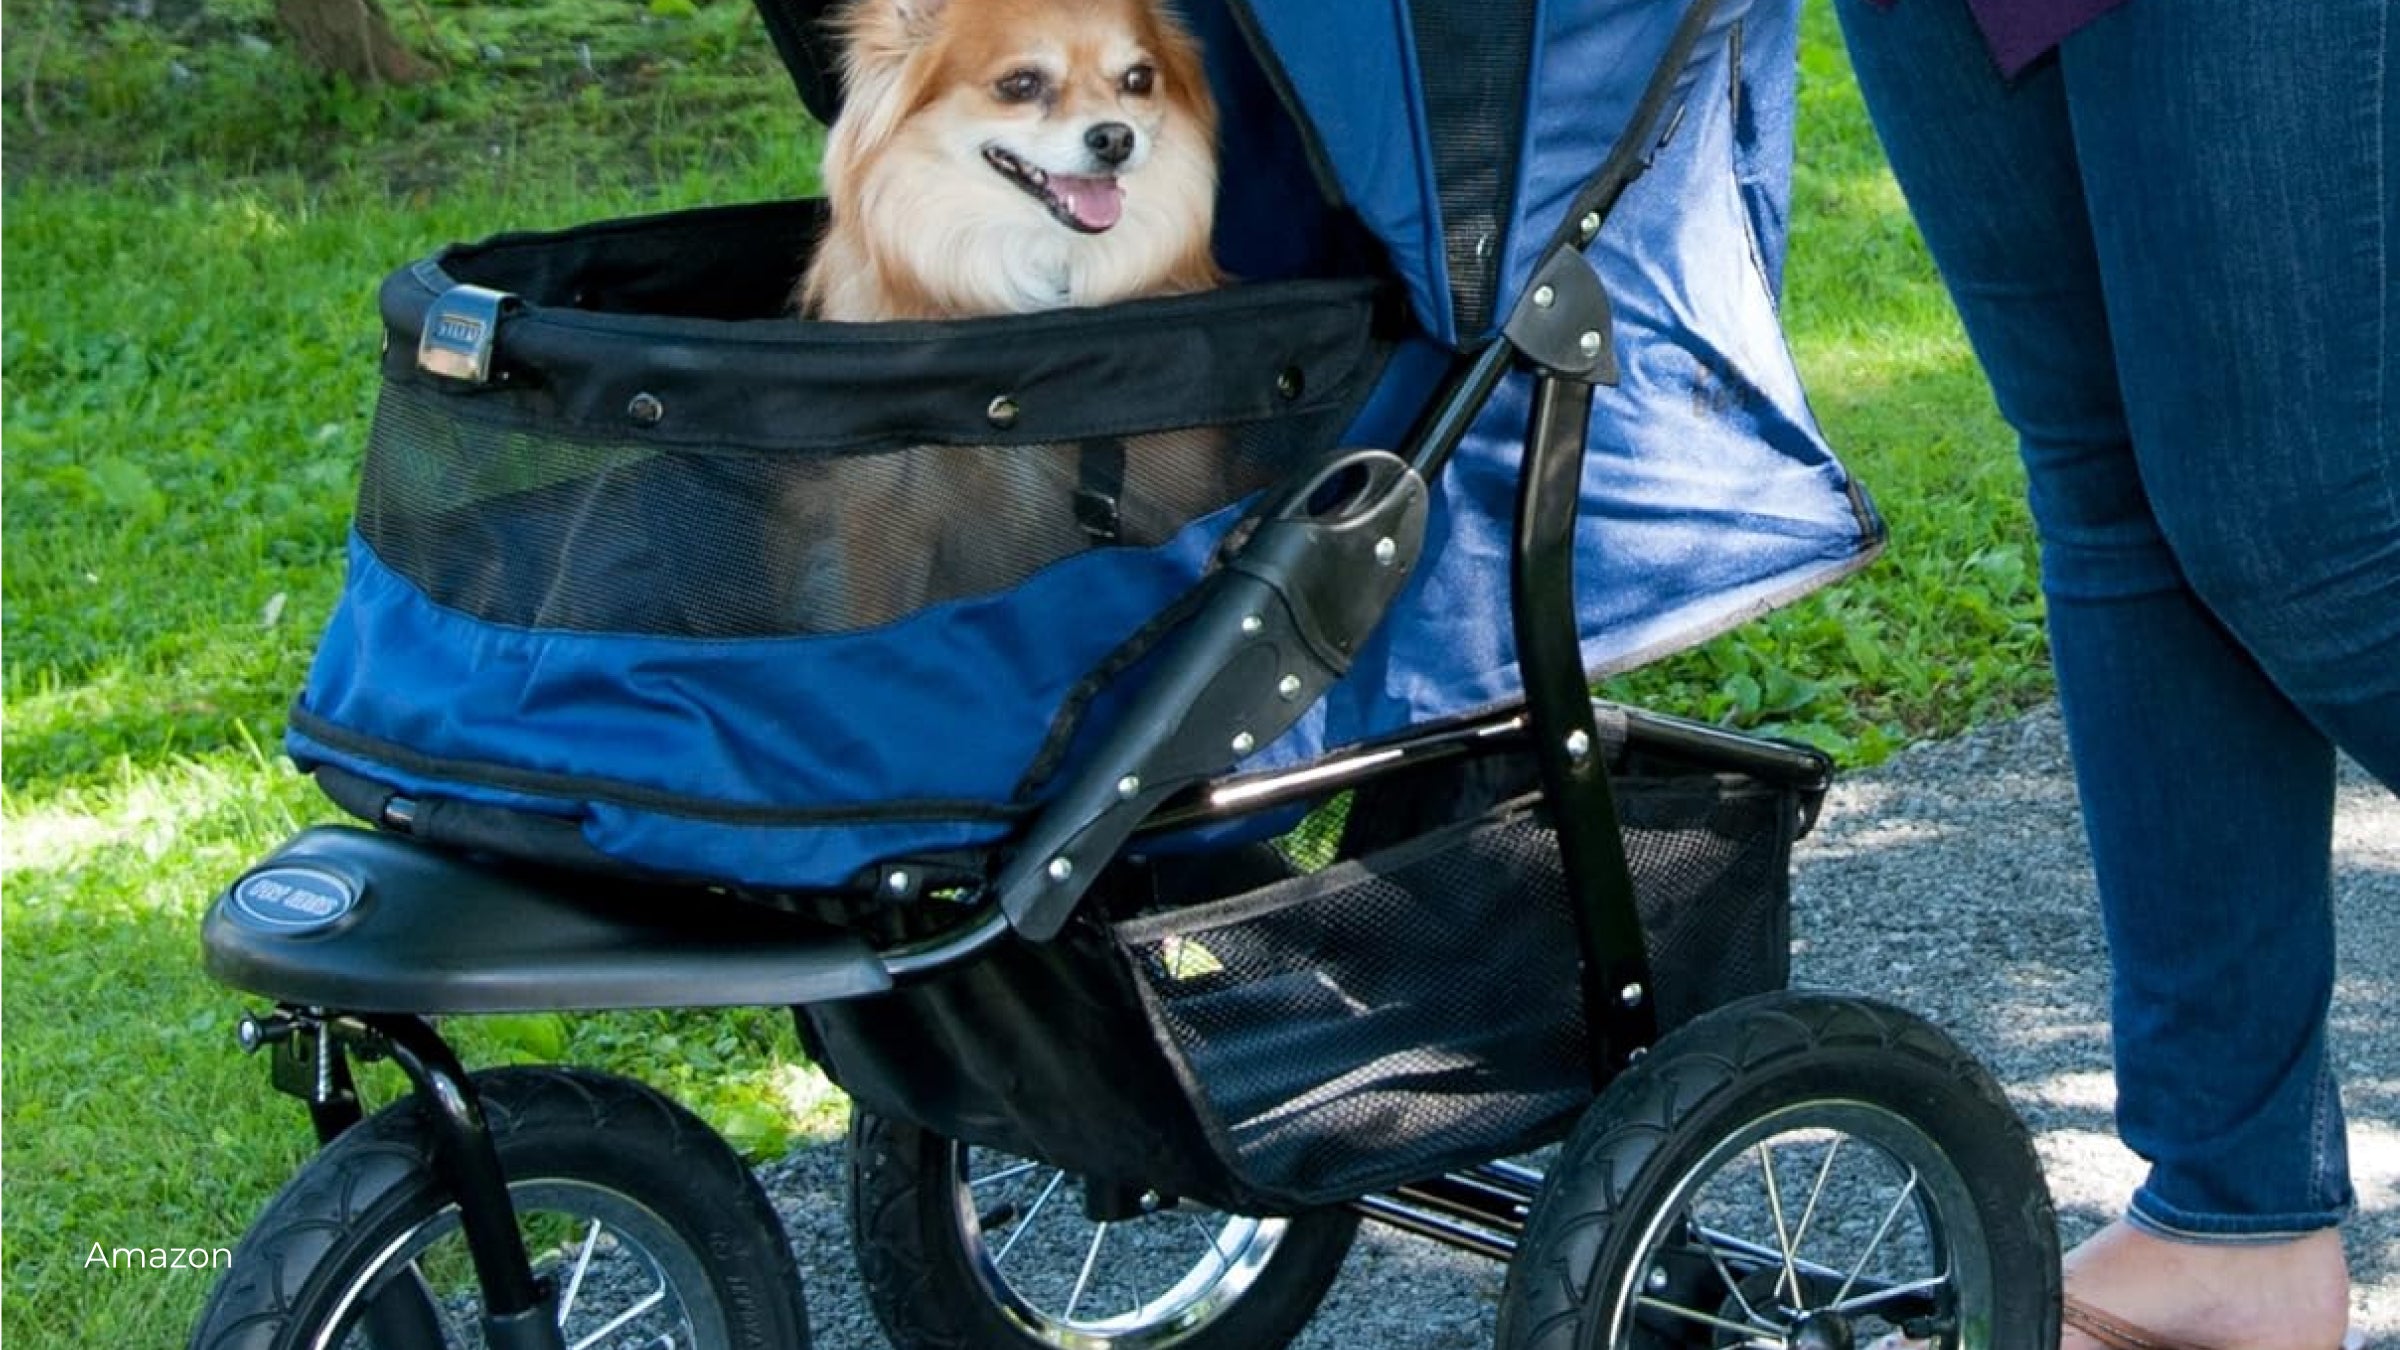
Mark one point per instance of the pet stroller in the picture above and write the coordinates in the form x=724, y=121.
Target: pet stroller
x=1170, y=898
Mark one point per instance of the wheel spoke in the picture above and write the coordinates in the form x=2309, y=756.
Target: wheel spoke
x=1733, y=1285
x=1907, y=1192
x=1004, y=1174
x=1209, y=1235
x=1887, y=1294
x=1816, y=1192
x=583, y=1263
x=657, y=1296
x=1783, y=1232
x=1026, y=1224
x=1083, y=1281
x=1764, y=1254
x=1748, y=1329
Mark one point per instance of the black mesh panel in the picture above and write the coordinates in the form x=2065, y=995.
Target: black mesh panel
x=547, y=529
x=1472, y=58
x=1389, y=1017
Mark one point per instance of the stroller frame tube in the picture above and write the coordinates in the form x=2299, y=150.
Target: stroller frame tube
x=1618, y=1020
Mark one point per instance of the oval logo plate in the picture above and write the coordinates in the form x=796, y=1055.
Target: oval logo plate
x=292, y=899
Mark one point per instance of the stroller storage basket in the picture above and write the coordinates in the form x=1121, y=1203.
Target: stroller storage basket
x=743, y=598
x=1323, y=1035
x=1392, y=1016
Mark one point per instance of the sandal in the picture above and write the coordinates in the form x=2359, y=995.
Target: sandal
x=2121, y=1335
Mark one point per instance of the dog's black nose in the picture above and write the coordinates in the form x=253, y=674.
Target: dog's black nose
x=1110, y=142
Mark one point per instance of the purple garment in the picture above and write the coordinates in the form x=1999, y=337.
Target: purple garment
x=2020, y=31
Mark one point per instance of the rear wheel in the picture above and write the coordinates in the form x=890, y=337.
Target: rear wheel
x=964, y=1248
x=1793, y=1171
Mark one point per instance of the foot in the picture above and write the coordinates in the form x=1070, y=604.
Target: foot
x=2266, y=1296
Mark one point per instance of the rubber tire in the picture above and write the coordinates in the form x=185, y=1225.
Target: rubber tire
x=1721, y=1072
x=376, y=1181
x=914, y=1264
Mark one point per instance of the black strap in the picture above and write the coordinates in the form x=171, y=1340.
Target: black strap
x=1100, y=490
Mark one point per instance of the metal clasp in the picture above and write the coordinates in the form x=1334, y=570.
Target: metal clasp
x=461, y=327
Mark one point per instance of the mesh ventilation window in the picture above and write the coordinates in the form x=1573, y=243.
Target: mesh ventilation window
x=1473, y=61
x=546, y=529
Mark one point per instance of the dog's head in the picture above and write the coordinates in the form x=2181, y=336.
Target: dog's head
x=1009, y=155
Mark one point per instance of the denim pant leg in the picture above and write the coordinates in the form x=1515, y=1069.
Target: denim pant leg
x=2207, y=794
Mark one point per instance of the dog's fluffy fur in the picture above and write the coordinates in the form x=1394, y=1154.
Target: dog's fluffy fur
x=1008, y=156
x=1001, y=157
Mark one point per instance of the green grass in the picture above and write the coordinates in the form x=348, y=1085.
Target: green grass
x=189, y=342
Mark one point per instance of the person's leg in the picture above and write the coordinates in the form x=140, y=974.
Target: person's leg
x=2206, y=794
x=2239, y=162
x=2234, y=168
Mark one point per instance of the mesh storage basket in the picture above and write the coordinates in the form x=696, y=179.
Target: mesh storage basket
x=1394, y=1015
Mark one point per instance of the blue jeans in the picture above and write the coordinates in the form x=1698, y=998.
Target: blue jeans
x=2172, y=246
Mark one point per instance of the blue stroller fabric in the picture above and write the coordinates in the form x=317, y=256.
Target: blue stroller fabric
x=1710, y=495
x=781, y=757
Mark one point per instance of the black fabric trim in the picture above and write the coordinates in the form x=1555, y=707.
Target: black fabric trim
x=808, y=50
x=575, y=788
x=687, y=308
x=1061, y=737
x=1270, y=65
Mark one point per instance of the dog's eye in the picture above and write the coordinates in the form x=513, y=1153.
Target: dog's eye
x=1140, y=80
x=1020, y=86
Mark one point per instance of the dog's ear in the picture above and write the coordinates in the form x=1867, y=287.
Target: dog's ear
x=920, y=16
x=1183, y=65
x=879, y=37
x=874, y=29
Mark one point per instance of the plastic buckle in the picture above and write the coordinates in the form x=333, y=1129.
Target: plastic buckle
x=461, y=327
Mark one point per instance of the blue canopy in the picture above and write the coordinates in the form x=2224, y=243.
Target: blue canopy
x=1459, y=133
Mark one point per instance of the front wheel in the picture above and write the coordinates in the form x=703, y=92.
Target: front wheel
x=966, y=1248
x=648, y=1227
x=1797, y=1170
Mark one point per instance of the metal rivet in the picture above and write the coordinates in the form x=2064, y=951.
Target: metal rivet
x=1386, y=550
x=898, y=882
x=1001, y=411
x=1579, y=745
x=646, y=409
x=1657, y=1279
x=1630, y=996
x=1244, y=743
x=1590, y=225
x=1060, y=869
x=1544, y=297
x=249, y=1035
x=1288, y=686
x=1252, y=624
x=1291, y=382
x=1589, y=343
x=1151, y=1200
x=1129, y=787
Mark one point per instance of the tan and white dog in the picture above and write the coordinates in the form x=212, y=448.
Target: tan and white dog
x=998, y=157
x=1010, y=156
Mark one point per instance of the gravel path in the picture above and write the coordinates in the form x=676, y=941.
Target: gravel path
x=1951, y=880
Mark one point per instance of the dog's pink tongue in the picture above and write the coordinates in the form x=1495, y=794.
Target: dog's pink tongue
x=1096, y=203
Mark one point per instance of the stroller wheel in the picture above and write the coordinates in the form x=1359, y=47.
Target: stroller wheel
x=1794, y=1170
x=968, y=1249
x=649, y=1229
